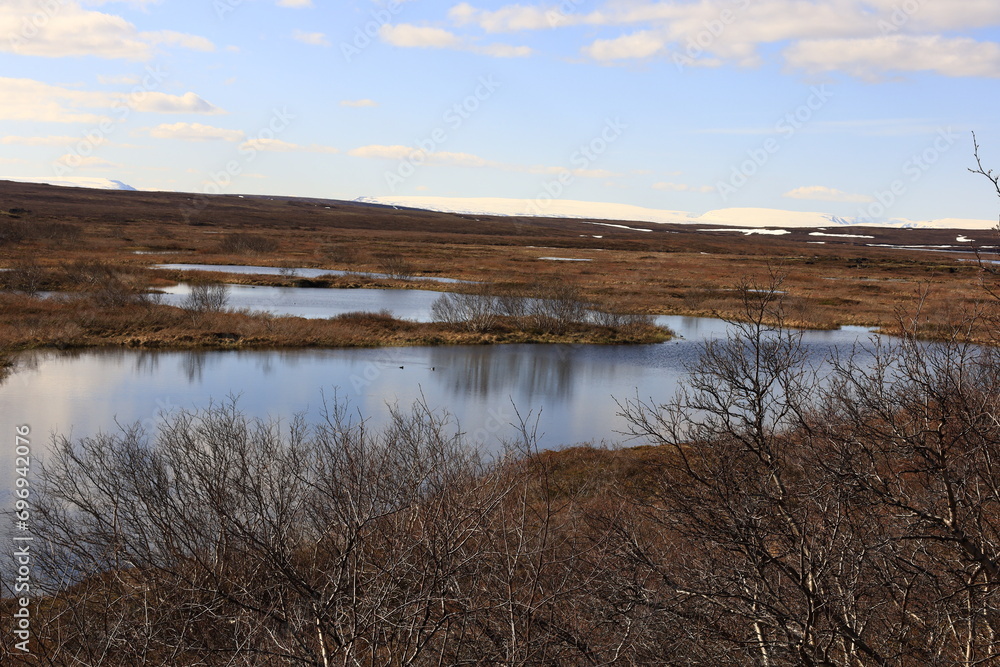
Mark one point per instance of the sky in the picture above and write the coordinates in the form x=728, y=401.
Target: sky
x=846, y=107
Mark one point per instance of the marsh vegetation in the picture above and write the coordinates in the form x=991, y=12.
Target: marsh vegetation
x=771, y=519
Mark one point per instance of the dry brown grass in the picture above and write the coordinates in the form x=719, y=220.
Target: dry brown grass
x=82, y=321
x=674, y=270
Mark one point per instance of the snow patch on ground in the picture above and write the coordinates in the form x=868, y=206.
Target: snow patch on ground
x=728, y=217
x=748, y=232
x=77, y=182
x=909, y=247
x=843, y=236
x=608, y=224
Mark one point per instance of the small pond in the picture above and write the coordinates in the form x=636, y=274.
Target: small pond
x=319, y=303
x=294, y=272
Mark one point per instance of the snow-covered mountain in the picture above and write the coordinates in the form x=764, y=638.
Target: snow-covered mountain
x=730, y=217
x=77, y=182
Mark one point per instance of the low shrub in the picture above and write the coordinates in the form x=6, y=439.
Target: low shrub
x=109, y=285
x=244, y=243
x=207, y=298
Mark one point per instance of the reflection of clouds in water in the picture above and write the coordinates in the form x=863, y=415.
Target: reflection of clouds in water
x=318, y=303
x=300, y=272
x=694, y=328
x=572, y=385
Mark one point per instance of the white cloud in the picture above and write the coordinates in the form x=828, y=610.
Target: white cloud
x=163, y=103
x=937, y=16
x=358, y=104
x=279, y=146
x=123, y=80
x=141, y=4
x=503, y=51
x=862, y=38
x=384, y=152
x=194, y=132
x=512, y=18
x=57, y=30
x=26, y=99
x=869, y=58
x=638, y=45
x=422, y=37
x=822, y=193
x=39, y=141
x=172, y=38
x=311, y=38
x=295, y=4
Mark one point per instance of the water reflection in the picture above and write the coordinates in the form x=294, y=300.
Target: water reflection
x=574, y=385
x=299, y=272
x=519, y=369
x=319, y=303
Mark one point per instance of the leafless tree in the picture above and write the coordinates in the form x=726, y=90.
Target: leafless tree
x=544, y=307
x=26, y=275
x=916, y=434
x=476, y=310
x=223, y=540
x=555, y=307
x=207, y=298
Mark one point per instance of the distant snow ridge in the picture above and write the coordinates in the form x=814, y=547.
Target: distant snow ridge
x=728, y=217
x=78, y=182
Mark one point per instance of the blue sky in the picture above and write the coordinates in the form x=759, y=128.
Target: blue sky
x=838, y=106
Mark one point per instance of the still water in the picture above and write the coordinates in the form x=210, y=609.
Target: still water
x=317, y=303
x=293, y=272
x=571, y=388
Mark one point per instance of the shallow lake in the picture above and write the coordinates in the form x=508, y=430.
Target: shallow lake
x=573, y=386
x=570, y=388
x=294, y=272
x=317, y=303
